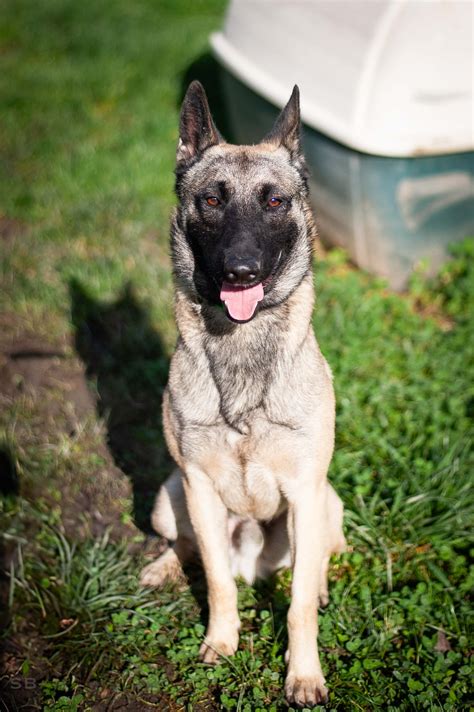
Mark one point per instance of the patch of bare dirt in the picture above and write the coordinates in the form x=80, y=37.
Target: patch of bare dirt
x=34, y=367
x=107, y=700
x=20, y=691
x=51, y=382
x=10, y=228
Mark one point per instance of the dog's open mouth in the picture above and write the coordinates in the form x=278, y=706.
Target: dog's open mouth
x=241, y=302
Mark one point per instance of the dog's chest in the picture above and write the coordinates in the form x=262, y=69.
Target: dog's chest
x=246, y=471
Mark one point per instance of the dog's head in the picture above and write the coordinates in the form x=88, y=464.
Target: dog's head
x=243, y=233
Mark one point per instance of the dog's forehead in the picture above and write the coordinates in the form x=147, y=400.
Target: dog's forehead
x=244, y=168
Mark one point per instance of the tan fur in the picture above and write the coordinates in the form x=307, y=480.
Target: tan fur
x=249, y=414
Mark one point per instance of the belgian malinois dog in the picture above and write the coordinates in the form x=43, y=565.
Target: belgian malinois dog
x=249, y=407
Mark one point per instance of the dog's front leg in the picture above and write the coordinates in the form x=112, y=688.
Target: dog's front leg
x=305, y=684
x=209, y=519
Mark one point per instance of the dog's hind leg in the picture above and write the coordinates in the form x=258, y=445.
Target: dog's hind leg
x=167, y=567
x=246, y=543
x=336, y=540
x=276, y=551
x=170, y=519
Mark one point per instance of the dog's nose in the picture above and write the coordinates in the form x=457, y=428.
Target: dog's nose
x=242, y=270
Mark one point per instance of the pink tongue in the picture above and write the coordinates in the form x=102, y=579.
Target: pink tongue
x=241, y=301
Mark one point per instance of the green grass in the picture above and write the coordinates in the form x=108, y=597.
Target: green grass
x=89, y=95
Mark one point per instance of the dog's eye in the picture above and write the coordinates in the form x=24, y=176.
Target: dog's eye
x=212, y=201
x=274, y=202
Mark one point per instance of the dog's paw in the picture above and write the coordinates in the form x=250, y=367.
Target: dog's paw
x=305, y=691
x=323, y=598
x=216, y=646
x=210, y=652
x=165, y=569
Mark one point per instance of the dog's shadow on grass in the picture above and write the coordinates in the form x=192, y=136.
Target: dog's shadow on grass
x=125, y=357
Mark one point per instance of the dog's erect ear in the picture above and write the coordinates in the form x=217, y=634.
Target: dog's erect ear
x=197, y=130
x=287, y=128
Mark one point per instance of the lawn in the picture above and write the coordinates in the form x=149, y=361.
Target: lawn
x=89, y=97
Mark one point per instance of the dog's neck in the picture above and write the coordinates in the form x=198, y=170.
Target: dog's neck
x=241, y=358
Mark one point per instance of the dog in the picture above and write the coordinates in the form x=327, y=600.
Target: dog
x=249, y=409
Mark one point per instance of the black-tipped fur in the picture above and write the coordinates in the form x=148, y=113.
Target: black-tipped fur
x=197, y=130
x=286, y=132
